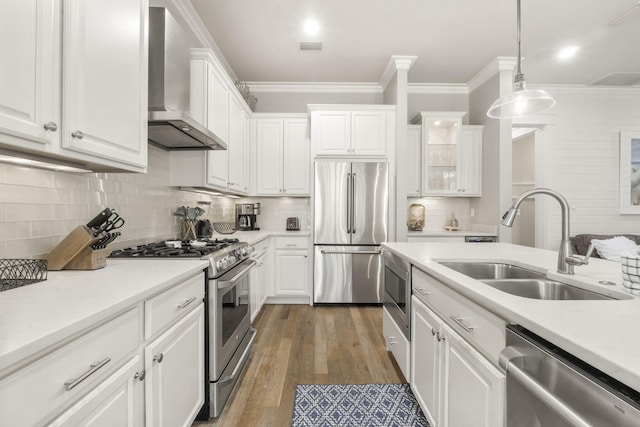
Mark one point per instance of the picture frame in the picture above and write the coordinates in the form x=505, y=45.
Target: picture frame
x=630, y=172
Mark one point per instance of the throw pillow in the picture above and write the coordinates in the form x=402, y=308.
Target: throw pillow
x=611, y=249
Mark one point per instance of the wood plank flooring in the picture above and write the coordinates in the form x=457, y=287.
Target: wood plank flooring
x=299, y=344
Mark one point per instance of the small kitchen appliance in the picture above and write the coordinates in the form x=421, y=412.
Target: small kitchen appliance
x=246, y=215
x=293, y=224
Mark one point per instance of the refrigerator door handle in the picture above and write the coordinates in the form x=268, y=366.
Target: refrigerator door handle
x=353, y=203
x=351, y=252
x=349, y=198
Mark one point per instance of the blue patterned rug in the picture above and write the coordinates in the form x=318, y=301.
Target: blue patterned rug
x=358, y=405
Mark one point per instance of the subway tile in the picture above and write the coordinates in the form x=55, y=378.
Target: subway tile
x=19, y=175
x=15, y=193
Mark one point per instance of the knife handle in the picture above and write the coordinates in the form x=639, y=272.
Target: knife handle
x=99, y=219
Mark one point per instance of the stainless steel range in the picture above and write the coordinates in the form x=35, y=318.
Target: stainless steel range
x=228, y=333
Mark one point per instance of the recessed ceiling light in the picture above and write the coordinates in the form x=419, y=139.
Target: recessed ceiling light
x=568, y=52
x=311, y=27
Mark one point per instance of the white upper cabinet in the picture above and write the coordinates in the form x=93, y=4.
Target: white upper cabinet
x=29, y=86
x=352, y=130
x=451, y=155
x=74, y=84
x=282, y=155
x=216, y=104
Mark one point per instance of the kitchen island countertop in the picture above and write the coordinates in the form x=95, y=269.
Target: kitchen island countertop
x=603, y=333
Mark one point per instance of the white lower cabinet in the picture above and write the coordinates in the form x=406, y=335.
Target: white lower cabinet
x=118, y=401
x=455, y=385
x=174, y=365
x=292, y=272
x=396, y=343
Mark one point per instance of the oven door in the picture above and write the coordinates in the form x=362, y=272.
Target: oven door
x=397, y=290
x=229, y=319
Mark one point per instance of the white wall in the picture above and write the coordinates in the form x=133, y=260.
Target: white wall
x=296, y=102
x=581, y=158
x=418, y=102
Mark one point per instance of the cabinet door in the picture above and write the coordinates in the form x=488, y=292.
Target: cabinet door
x=291, y=273
x=266, y=277
x=425, y=360
x=235, y=144
x=218, y=168
x=117, y=401
x=254, y=291
x=413, y=169
x=217, y=105
x=175, y=373
x=296, y=161
x=332, y=133
x=104, y=98
x=269, y=134
x=440, y=140
x=368, y=133
x=29, y=86
x=473, y=388
x=470, y=154
x=246, y=150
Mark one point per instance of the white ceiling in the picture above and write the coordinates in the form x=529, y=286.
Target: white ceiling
x=453, y=39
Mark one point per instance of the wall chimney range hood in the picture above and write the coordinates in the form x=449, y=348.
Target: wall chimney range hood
x=170, y=125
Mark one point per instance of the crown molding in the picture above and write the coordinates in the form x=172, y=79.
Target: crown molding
x=396, y=62
x=501, y=63
x=433, y=88
x=318, y=87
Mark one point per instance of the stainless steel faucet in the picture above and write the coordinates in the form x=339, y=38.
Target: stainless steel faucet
x=566, y=260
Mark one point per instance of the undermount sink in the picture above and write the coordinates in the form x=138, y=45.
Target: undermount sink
x=522, y=282
x=543, y=289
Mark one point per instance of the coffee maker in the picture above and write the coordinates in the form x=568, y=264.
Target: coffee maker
x=246, y=215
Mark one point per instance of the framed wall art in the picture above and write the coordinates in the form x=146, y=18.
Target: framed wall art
x=630, y=172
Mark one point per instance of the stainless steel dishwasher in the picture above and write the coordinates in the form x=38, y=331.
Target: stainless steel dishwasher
x=547, y=387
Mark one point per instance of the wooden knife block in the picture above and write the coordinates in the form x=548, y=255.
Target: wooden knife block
x=74, y=252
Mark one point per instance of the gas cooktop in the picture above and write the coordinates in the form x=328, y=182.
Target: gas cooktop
x=186, y=249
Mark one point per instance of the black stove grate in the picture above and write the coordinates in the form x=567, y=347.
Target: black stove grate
x=161, y=250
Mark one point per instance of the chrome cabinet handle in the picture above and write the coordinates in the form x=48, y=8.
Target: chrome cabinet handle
x=433, y=332
x=140, y=375
x=93, y=368
x=460, y=321
x=186, y=303
x=440, y=336
x=51, y=126
x=77, y=134
x=158, y=358
x=284, y=190
x=392, y=340
x=291, y=244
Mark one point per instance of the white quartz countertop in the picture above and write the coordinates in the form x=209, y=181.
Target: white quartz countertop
x=603, y=333
x=39, y=315
x=445, y=233
x=254, y=236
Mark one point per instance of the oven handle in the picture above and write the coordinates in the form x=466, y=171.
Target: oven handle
x=240, y=363
x=223, y=284
x=538, y=390
x=351, y=252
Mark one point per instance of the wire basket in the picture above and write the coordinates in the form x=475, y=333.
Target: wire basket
x=224, y=227
x=19, y=272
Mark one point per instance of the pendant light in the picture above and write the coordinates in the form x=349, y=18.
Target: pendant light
x=521, y=102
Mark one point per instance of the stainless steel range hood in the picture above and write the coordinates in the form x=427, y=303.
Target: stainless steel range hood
x=170, y=125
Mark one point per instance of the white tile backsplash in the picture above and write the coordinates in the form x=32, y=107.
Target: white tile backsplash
x=438, y=212
x=38, y=208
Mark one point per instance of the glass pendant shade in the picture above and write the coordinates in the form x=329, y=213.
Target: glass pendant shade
x=522, y=101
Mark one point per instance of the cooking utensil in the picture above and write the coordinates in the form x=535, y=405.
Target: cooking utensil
x=105, y=240
x=114, y=222
x=192, y=213
x=181, y=211
x=199, y=211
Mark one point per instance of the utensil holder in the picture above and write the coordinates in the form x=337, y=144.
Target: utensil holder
x=188, y=229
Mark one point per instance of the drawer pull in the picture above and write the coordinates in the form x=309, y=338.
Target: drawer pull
x=290, y=245
x=158, y=358
x=186, y=303
x=392, y=340
x=440, y=336
x=423, y=292
x=433, y=332
x=461, y=323
x=93, y=368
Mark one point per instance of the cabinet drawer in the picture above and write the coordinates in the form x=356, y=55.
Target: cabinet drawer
x=396, y=342
x=482, y=329
x=261, y=246
x=292, y=243
x=164, y=309
x=33, y=394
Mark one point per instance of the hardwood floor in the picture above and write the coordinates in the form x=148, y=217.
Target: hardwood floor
x=299, y=344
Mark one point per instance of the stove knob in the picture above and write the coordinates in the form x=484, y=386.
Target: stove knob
x=250, y=250
x=232, y=260
x=222, y=264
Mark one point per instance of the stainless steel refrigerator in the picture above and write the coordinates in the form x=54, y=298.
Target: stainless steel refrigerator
x=351, y=218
